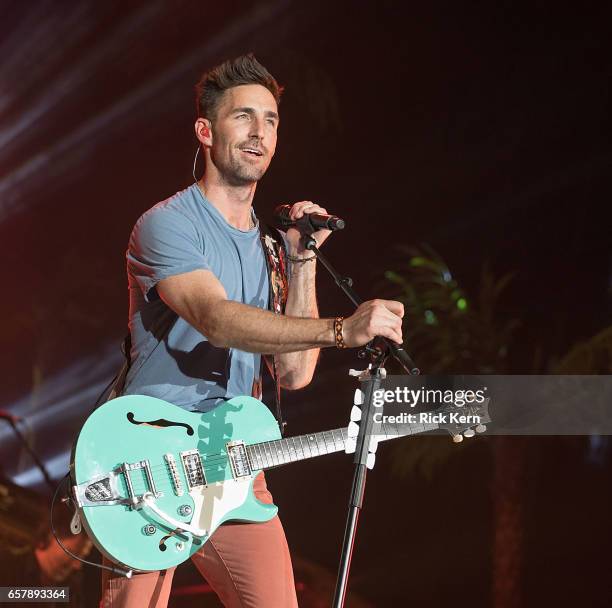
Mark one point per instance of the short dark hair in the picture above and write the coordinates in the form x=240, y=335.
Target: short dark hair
x=232, y=73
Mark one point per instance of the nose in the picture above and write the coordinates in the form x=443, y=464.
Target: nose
x=257, y=128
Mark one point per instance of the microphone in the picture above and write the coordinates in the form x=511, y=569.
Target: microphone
x=309, y=222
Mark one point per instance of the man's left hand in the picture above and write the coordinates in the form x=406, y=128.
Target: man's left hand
x=294, y=236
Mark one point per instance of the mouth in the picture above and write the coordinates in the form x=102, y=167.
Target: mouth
x=252, y=151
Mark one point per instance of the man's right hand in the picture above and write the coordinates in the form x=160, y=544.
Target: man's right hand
x=374, y=318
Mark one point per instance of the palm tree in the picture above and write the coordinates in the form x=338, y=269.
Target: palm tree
x=452, y=333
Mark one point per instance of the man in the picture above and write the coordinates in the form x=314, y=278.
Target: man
x=199, y=321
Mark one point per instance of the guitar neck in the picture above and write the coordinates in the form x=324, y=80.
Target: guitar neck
x=301, y=447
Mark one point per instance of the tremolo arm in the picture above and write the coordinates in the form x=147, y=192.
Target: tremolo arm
x=148, y=500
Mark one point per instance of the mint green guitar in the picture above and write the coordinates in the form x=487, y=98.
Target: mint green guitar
x=152, y=482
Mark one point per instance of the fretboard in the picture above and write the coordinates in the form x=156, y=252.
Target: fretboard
x=300, y=447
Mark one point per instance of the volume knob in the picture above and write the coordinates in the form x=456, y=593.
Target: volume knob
x=185, y=510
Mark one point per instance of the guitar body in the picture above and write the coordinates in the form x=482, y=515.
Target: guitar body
x=137, y=446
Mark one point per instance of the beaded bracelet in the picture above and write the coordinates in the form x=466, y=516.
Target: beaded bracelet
x=338, y=322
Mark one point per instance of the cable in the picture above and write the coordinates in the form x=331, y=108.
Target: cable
x=195, y=160
x=126, y=573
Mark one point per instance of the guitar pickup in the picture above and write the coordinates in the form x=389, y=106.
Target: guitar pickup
x=194, y=471
x=239, y=460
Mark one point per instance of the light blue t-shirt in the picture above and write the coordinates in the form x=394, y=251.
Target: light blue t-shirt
x=171, y=359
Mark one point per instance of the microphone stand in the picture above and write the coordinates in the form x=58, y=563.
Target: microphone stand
x=378, y=350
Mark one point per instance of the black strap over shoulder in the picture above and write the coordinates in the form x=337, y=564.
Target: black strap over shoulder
x=119, y=383
x=276, y=259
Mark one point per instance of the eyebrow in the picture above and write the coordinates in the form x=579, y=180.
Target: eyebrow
x=247, y=110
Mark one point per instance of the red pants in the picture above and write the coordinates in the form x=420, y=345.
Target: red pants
x=247, y=565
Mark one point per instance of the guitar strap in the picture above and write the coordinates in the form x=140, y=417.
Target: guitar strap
x=276, y=260
x=275, y=255
x=119, y=383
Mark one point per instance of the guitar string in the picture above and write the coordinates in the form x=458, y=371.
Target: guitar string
x=216, y=457
x=214, y=461
x=268, y=453
x=141, y=482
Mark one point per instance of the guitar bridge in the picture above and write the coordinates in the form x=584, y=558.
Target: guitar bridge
x=101, y=490
x=104, y=490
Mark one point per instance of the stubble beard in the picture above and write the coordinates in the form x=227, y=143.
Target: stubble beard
x=238, y=173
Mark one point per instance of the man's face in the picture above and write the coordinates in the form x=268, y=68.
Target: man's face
x=244, y=134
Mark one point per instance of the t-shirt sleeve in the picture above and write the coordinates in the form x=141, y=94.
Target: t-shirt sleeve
x=163, y=243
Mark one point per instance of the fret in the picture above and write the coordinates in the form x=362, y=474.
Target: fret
x=312, y=444
x=315, y=439
x=284, y=450
x=325, y=446
x=267, y=452
x=250, y=459
x=340, y=440
x=329, y=449
x=251, y=449
x=330, y=441
x=262, y=455
x=278, y=448
x=294, y=449
x=301, y=438
x=273, y=455
x=274, y=451
x=298, y=456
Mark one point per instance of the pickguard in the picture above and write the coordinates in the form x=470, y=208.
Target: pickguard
x=216, y=500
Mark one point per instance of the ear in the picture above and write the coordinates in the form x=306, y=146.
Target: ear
x=203, y=131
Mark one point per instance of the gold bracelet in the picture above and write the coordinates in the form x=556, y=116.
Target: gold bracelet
x=297, y=260
x=338, y=322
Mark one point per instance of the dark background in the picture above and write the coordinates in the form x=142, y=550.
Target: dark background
x=482, y=130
